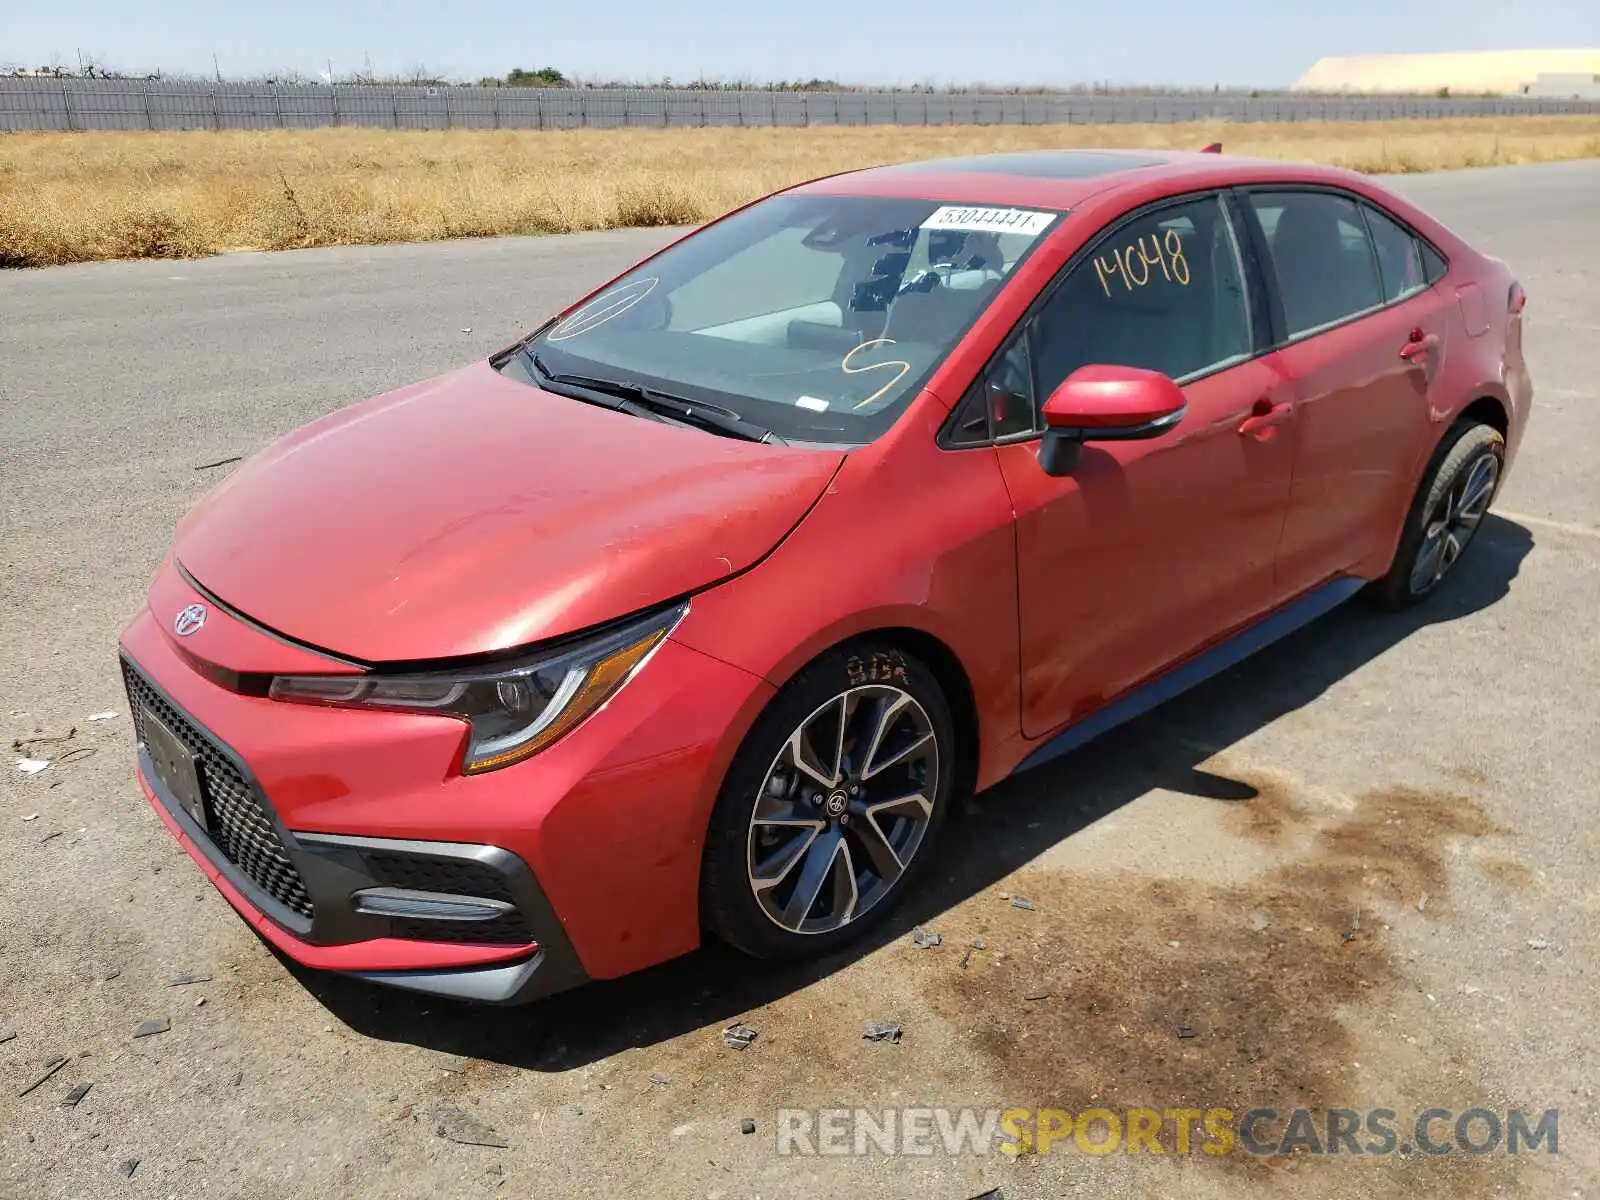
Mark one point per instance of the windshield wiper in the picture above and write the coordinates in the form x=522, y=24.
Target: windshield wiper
x=647, y=401
x=711, y=417
x=611, y=398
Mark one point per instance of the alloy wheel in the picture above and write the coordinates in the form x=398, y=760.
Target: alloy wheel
x=1453, y=522
x=843, y=809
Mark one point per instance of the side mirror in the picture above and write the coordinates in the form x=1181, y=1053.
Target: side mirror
x=1106, y=404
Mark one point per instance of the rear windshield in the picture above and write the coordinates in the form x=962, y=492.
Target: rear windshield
x=817, y=317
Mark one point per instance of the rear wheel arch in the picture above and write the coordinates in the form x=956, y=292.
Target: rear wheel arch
x=1487, y=410
x=1467, y=438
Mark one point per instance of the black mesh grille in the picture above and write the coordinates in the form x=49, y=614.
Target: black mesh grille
x=240, y=827
x=458, y=877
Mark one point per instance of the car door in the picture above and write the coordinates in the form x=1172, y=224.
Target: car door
x=1363, y=338
x=1148, y=549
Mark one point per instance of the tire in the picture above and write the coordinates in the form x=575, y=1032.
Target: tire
x=1456, y=493
x=787, y=807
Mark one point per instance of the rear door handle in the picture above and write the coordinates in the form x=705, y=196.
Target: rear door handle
x=1419, y=346
x=1265, y=415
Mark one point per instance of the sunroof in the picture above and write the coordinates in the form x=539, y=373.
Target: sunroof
x=1040, y=164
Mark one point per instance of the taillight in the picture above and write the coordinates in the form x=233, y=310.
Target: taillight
x=1516, y=299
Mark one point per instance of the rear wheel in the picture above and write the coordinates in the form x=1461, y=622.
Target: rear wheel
x=1446, y=514
x=831, y=806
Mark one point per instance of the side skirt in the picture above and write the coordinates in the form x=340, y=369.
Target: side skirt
x=1295, y=615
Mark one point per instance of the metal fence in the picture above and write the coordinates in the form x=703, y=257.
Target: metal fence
x=82, y=104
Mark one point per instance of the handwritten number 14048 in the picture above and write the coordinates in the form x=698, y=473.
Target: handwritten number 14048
x=1136, y=265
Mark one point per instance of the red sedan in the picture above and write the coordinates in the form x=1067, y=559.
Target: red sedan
x=697, y=608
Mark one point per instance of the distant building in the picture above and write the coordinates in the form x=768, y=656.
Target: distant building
x=1487, y=72
x=1566, y=86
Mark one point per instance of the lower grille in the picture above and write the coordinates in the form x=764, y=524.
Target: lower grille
x=240, y=826
x=457, y=877
x=509, y=930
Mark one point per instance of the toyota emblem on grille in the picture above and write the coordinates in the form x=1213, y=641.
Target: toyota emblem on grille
x=189, y=620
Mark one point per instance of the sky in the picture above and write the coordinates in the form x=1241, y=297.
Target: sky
x=1261, y=43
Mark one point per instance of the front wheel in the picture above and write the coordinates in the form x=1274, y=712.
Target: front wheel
x=831, y=806
x=1446, y=514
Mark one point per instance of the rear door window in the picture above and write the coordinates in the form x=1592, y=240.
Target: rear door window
x=1324, y=262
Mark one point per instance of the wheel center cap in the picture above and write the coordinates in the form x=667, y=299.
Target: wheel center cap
x=836, y=802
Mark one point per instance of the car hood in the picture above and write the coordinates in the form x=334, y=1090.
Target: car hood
x=473, y=513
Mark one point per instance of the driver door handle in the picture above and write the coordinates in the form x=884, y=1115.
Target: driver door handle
x=1264, y=416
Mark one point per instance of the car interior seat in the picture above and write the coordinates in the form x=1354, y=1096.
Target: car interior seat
x=1317, y=277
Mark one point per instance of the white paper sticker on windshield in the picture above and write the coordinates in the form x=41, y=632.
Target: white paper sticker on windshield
x=812, y=403
x=1027, y=222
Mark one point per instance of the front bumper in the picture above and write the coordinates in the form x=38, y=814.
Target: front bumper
x=352, y=904
x=342, y=835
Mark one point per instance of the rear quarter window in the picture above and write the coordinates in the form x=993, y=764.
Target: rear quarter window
x=1399, y=256
x=1433, y=263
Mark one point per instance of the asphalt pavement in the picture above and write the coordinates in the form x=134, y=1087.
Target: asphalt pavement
x=1423, y=783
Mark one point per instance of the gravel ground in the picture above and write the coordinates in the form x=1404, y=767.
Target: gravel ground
x=1318, y=879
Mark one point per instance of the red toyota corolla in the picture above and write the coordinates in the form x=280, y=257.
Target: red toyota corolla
x=694, y=610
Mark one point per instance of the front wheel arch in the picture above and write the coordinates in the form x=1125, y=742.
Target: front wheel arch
x=722, y=902
x=957, y=688
x=936, y=654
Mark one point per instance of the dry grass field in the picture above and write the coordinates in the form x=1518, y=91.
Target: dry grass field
x=71, y=197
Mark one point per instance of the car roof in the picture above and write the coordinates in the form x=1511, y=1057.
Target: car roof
x=1061, y=179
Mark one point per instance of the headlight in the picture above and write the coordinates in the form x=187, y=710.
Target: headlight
x=514, y=710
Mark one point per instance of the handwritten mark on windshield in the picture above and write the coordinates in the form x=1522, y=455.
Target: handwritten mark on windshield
x=602, y=308
x=848, y=369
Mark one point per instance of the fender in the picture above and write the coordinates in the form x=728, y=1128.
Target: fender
x=940, y=559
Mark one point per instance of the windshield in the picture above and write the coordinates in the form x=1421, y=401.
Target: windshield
x=817, y=317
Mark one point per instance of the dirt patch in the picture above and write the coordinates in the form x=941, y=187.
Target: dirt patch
x=1394, y=844
x=1140, y=993
x=1507, y=871
x=1271, y=811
